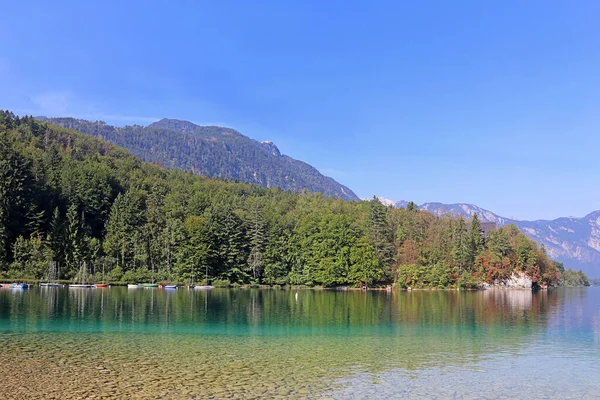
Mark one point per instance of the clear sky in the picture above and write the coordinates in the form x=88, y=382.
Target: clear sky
x=495, y=103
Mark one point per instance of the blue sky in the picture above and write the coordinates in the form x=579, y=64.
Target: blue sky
x=494, y=103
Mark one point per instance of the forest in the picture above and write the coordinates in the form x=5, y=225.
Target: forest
x=212, y=151
x=78, y=208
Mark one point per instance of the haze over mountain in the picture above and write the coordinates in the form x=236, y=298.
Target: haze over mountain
x=212, y=151
x=573, y=241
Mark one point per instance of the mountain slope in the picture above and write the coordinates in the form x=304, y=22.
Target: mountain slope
x=466, y=210
x=573, y=241
x=213, y=151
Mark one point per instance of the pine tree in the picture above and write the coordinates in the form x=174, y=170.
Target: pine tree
x=114, y=242
x=411, y=206
x=380, y=233
x=230, y=245
x=256, y=231
x=35, y=219
x=196, y=249
x=476, y=235
x=124, y=241
x=73, y=240
x=55, y=237
x=13, y=195
x=235, y=250
x=462, y=250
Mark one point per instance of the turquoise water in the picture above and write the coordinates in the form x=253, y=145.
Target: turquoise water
x=251, y=343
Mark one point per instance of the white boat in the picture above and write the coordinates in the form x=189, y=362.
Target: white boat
x=204, y=287
x=133, y=286
x=82, y=276
x=51, y=285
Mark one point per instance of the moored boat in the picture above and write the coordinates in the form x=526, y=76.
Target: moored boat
x=131, y=286
x=203, y=287
x=20, y=286
x=150, y=285
x=51, y=285
x=170, y=287
x=100, y=285
x=80, y=286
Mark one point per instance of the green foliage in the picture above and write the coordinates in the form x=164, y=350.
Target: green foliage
x=462, y=250
x=115, y=275
x=30, y=257
x=364, y=265
x=139, y=275
x=476, y=236
x=571, y=278
x=412, y=207
x=84, y=206
x=221, y=283
x=421, y=276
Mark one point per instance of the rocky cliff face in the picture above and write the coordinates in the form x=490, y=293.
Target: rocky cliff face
x=516, y=281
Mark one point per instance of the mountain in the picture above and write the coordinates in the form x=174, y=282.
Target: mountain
x=466, y=210
x=212, y=151
x=572, y=241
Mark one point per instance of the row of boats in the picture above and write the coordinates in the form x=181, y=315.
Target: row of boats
x=103, y=285
x=168, y=287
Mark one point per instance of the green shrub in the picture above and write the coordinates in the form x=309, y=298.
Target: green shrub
x=221, y=283
x=115, y=275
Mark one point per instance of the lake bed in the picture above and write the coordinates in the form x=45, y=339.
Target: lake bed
x=251, y=343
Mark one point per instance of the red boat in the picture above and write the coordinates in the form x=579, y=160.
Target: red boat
x=100, y=285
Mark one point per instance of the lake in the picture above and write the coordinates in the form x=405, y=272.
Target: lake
x=256, y=343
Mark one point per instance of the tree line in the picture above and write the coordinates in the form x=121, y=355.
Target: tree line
x=93, y=211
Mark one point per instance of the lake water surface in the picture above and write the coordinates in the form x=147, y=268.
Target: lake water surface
x=250, y=343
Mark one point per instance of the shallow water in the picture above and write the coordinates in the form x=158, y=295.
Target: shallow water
x=246, y=343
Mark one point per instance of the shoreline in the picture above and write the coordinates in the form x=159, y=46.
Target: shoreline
x=6, y=284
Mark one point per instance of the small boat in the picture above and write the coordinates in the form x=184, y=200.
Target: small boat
x=130, y=286
x=82, y=276
x=171, y=287
x=100, y=285
x=20, y=286
x=203, y=287
x=51, y=285
x=150, y=285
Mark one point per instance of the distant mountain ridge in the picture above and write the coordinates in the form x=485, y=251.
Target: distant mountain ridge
x=573, y=241
x=212, y=151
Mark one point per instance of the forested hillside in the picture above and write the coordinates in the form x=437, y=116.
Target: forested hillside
x=572, y=241
x=212, y=151
x=91, y=206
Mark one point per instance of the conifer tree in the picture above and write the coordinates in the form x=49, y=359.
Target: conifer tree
x=256, y=231
x=196, y=250
x=380, y=233
x=54, y=238
x=476, y=235
x=74, y=251
x=412, y=206
x=462, y=250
